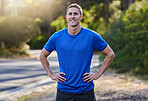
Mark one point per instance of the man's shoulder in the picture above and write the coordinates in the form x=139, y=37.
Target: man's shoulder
x=88, y=31
x=61, y=31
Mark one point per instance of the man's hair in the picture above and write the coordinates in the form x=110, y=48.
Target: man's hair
x=76, y=6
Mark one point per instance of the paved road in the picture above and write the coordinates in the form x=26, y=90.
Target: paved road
x=18, y=72
x=15, y=73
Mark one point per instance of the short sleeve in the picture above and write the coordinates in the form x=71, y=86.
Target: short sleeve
x=99, y=43
x=50, y=45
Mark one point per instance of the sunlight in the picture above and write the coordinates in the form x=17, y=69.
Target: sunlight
x=13, y=7
x=30, y=1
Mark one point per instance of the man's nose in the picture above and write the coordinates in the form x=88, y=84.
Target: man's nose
x=72, y=15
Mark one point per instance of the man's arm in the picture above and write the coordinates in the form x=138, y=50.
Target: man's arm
x=43, y=58
x=110, y=55
x=107, y=61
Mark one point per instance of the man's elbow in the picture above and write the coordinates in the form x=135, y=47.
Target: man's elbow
x=41, y=56
x=112, y=54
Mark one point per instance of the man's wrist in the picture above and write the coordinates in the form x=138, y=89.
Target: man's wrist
x=98, y=74
x=50, y=74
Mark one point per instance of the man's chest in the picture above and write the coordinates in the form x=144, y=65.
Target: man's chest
x=73, y=44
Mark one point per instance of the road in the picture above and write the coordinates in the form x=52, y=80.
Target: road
x=16, y=73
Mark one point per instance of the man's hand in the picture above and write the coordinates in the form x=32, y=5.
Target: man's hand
x=58, y=77
x=90, y=76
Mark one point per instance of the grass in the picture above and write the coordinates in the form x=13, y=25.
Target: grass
x=6, y=53
x=24, y=98
x=33, y=96
x=44, y=93
x=129, y=74
x=28, y=97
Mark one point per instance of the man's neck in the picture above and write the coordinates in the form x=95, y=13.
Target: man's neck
x=74, y=30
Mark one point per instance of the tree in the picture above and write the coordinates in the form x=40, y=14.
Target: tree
x=125, y=4
x=107, y=11
x=17, y=30
x=129, y=38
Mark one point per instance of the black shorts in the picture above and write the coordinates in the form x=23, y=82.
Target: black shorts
x=86, y=96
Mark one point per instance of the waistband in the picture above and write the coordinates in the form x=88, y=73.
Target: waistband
x=75, y=93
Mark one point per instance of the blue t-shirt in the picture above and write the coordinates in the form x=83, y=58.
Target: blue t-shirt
x=74, y=55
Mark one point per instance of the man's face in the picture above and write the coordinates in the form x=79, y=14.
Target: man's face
x=73, y=17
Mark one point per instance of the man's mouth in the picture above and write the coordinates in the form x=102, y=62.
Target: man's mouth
x=72, y=20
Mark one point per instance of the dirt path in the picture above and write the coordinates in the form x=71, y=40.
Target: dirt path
x=110, y=87
x=115, y=87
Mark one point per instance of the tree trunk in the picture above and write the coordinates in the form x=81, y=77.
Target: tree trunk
x=107, y=11
x=2, y=10
x=48, y=26
x=126, y=5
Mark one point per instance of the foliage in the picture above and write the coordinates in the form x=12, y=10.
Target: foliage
x=6, y=53
x=17, y=30
x=38, y=42
x=129, y=39
x=58, y=24
x=94, y=17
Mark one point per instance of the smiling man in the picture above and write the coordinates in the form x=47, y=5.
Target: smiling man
x=75, y=46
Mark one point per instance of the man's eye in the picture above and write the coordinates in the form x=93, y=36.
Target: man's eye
x=75, y=13
x=69, y=13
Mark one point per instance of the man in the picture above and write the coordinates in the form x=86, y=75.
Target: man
x=75, y=46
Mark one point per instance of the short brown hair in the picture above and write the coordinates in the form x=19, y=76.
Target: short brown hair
x=76, y=6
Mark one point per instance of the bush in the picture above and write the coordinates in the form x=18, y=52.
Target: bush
x=39, y=42
x=16, y=31
x=58, y=24
x=129, y=39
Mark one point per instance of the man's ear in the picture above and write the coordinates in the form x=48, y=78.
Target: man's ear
x=81, y=17
x=66, y=16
